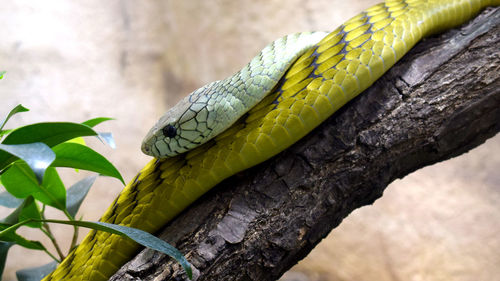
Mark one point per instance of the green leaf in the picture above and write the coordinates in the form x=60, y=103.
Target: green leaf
x=30, y=211
x=4, y=132
x=153, y=242
x=95, y=121
x=37, y=155
x=4, y=250
x=17, y=109
x=51, y=133
x=1, y=77
x=79, y=156
x=8, y=234
x=20, y=181
x=28, y=244
x=77, y=192
x=35, y=273
x=138, y=236
x=27, y=210
x=107, y=138
x=78, y=140
x=13, y=217
x=9, y=201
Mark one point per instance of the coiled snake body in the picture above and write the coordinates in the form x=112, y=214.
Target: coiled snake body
x=322, y=79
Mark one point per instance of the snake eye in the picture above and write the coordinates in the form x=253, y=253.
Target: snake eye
x=169, y=131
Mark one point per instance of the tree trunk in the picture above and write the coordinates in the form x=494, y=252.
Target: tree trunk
x=439, y=101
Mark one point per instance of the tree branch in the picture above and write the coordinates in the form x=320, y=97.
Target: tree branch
x=439, y=101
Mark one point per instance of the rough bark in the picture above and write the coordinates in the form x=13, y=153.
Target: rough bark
x=439, y=101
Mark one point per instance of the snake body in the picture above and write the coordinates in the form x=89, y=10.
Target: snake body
x=325, y=77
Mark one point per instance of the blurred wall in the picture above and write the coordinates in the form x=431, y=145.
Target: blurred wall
x=131, y=60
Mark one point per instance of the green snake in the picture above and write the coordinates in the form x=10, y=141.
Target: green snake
x=292, y=86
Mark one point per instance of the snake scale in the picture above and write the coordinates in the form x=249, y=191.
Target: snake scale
x=312, y=81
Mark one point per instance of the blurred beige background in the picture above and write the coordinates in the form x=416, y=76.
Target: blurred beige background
x=131, y=60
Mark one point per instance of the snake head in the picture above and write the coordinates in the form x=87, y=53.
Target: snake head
x=182, y=128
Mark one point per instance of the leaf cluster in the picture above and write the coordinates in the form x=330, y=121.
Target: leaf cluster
x=29, y=156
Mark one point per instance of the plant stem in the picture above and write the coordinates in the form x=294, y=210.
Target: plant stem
x=75, y=230
x=52, y=256
x=49, y=234
x=13, y=227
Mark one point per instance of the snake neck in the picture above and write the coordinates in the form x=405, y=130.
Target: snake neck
x=212, y=109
